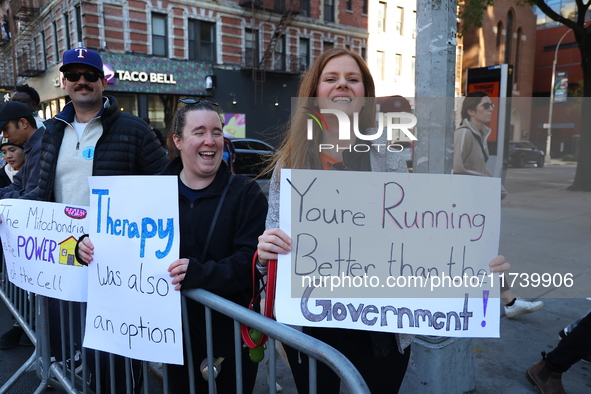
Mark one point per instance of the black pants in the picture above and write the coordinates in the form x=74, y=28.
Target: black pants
x=178, y=375
x=382, y=369
x=576, y=345
x=75, y=319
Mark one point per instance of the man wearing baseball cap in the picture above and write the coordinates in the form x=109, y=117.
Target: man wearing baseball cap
x=19, y=126
x=91, y=136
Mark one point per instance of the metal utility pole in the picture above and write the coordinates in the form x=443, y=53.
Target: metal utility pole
x=553, y=81
x=438, y=364
x=434, y=85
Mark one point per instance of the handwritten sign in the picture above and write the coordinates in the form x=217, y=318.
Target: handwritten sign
x=133, y=309
x=39, y=239
x=390, y=252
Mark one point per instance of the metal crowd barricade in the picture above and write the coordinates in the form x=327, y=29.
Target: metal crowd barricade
x=90, y=371
x=22, y=306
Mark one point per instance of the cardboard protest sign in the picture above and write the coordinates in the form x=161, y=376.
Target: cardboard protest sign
x=390, y=252
x=39, y=239
x=133, y=310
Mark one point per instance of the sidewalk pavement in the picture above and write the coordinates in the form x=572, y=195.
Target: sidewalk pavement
x=545, y=228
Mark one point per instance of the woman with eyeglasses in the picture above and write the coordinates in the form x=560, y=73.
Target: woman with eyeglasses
x=470, y=157
x=470, y=146
x=224, y=265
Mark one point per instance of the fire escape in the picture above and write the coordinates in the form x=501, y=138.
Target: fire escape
x=288, y=9
x=18, y=55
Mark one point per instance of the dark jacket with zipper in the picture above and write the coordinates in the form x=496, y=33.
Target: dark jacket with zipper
x=127, y=146
x=226, y=269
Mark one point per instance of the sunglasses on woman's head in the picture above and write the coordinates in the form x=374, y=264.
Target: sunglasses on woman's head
x=90, y=76
x=190, y=101
x=488, y=106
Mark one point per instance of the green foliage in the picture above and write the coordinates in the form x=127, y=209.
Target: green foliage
x=471, y=12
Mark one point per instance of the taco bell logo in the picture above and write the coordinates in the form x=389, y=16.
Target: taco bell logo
x=405, y=122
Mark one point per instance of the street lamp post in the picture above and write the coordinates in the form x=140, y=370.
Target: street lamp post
x=549, y=124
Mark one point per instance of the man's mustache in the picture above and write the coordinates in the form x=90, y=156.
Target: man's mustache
x=80, y=87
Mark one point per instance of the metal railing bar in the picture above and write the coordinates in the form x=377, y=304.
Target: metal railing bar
x=238, y=356
x=291, y=337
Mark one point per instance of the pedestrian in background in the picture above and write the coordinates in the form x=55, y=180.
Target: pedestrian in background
x=29, y=96
x=547, y=374
x=21, y=147
x=338, y=79
x=91, y=136
x=14, y=158
x=470, y=157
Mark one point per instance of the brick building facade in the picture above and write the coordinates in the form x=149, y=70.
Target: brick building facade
x=247, y=55
x=507, y=36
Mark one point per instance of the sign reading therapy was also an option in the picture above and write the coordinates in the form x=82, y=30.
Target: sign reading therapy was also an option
x=390, y=252
x=39, y=239
x=133, y=309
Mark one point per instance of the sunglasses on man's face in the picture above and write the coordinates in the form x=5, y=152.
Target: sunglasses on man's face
x=89, y=76
x=488, y=106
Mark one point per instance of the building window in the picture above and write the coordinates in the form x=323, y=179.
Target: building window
x=67, y=26
x=159, y=36
x=304, y=54
x=382, y=16
x=44, y=51
x=279, y=55
x=201, y=41
x=78, y=25
x=305, y=7
x=364, y=7
x=398, y=64
x=329, y=10
x=251, y=48
x=364, y=53
x=412, y=68
x=413, y=24
x=509, y=37
x=326, y=45
x=399, y=18
x=380, y=64
x=500, y=43
x=349, y=5
x=56, y=48
x=517, y=54
x=35, y=51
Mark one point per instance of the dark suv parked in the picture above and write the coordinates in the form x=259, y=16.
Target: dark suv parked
x=524, y=152
x=251, y=157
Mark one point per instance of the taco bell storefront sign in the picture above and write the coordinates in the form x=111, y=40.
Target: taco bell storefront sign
x=141, y=76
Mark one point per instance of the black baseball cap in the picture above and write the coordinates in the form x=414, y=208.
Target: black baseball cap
x=13, y=110
x=5, y=142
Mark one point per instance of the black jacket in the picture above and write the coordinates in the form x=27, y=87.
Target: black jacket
x=226, y=269
x=127, y=147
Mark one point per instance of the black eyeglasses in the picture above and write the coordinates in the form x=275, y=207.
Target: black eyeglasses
x=90, y=76
x=488, y=106
x=190, y=101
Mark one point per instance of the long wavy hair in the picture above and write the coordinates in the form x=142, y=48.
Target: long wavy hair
x=296, y=151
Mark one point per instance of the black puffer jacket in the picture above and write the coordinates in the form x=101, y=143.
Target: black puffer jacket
x=127, y=147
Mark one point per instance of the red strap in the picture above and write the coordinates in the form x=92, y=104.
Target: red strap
x=269, y=300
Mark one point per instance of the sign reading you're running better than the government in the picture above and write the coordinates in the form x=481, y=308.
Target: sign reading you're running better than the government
x=390, y=252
